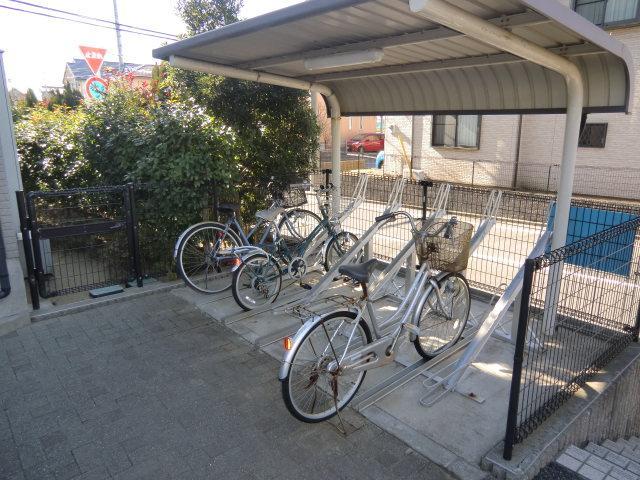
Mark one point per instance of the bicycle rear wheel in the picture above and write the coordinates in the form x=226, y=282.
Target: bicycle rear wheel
x=442, y=328
x=257, y=281
x=203, y=258
x=297, y=224
x=308, y=389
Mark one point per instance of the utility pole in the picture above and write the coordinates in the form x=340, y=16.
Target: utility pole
x=115, y=15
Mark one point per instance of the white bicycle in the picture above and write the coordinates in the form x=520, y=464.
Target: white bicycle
x=329, y=356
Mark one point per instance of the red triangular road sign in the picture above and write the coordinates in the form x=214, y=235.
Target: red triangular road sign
x=94, y=57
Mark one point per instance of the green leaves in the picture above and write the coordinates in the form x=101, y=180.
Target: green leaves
x=49, y=149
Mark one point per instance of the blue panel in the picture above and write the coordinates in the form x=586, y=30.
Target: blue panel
x=613, y=256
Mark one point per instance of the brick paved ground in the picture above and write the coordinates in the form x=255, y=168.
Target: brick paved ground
x=151, y=388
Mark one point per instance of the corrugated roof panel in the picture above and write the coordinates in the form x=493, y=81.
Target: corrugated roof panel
x=426, y=68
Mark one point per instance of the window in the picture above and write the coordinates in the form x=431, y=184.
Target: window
x=594, y=135
x=608, y=12
x=456, y=131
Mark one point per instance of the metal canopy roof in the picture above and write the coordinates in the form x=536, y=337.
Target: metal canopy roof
x=426, y=68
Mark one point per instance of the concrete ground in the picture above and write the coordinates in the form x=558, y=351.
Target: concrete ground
x=153, y=388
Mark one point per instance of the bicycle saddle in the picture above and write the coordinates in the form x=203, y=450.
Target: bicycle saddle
x=228, y=208
x=270, y=214
x=359, y=272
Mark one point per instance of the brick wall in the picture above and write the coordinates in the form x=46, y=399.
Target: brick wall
x=599, y=169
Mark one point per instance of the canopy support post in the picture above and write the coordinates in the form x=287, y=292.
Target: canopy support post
x=336, y=143
x=462, y=21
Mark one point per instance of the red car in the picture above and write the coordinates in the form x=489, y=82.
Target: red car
x=366, y=142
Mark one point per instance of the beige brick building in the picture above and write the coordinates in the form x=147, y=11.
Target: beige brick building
x=533, y=143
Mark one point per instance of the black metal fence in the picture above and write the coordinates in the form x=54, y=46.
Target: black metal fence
x=538, y=177
x=82, y=239
x=579, y=308
x=86, y=238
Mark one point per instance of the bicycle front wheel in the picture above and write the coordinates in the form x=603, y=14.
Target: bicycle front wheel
x=441, y=325
x=338, y=246
x=257, y=281
x=312, y=393
x=204, y=257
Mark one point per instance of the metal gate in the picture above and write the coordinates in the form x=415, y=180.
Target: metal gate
x=78, y=240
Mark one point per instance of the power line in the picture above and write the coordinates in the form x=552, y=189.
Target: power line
x=48, y=15
x=86, y=17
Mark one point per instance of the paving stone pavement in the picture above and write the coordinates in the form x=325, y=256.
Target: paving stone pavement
x=152, y=388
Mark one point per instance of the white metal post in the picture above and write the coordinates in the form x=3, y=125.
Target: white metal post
x=335, y=158
x=563, y=202
x=314, y=107
x=465, y=22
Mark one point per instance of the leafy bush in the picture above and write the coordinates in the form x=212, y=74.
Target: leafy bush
x=48, y=143
x=113, y=132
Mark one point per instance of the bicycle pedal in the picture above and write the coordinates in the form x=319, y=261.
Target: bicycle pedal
x=306, y=286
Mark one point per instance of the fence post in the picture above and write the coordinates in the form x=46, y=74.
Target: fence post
x=132, y=233
x=425, y=185
x=32, y=225
x=327, y=173
x=549, y=179
x=28, y=252
x=636, y=328
x=518, y=356
x=473, y=172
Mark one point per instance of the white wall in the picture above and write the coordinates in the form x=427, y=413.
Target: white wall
x=14, y=310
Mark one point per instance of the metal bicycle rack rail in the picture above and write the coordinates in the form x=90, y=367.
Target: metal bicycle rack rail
x=356, y=199
x=439, y=384
x=406, y=255
x=423, y=367
x=393, y=204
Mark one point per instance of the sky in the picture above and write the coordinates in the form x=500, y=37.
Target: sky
x=37, y=48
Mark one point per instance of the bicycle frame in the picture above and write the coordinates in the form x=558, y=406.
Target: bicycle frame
x=382, y=350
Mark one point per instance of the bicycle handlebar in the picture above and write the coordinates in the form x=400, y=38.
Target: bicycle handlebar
x=448, y=227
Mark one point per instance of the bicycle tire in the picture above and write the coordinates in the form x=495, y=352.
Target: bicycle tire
x=299, y=236
x=430, y=345
x=287, y=383
x=187, y=273
x=336, y=249
x=241, y=298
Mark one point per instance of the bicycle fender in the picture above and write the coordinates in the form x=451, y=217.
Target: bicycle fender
x=297, y=338
x=423, y=300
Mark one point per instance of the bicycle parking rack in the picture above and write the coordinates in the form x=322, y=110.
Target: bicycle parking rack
x=472, y=344
x=377, y=289
x=488, y=220
x=476, y=334
x=438, y=386
x=352, y=202
x=393, y=204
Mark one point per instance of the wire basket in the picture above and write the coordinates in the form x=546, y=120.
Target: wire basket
x=447, y=254
x=294, y=196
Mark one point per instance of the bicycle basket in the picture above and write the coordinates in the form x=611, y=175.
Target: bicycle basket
x=293, y=197
x=446, y=254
